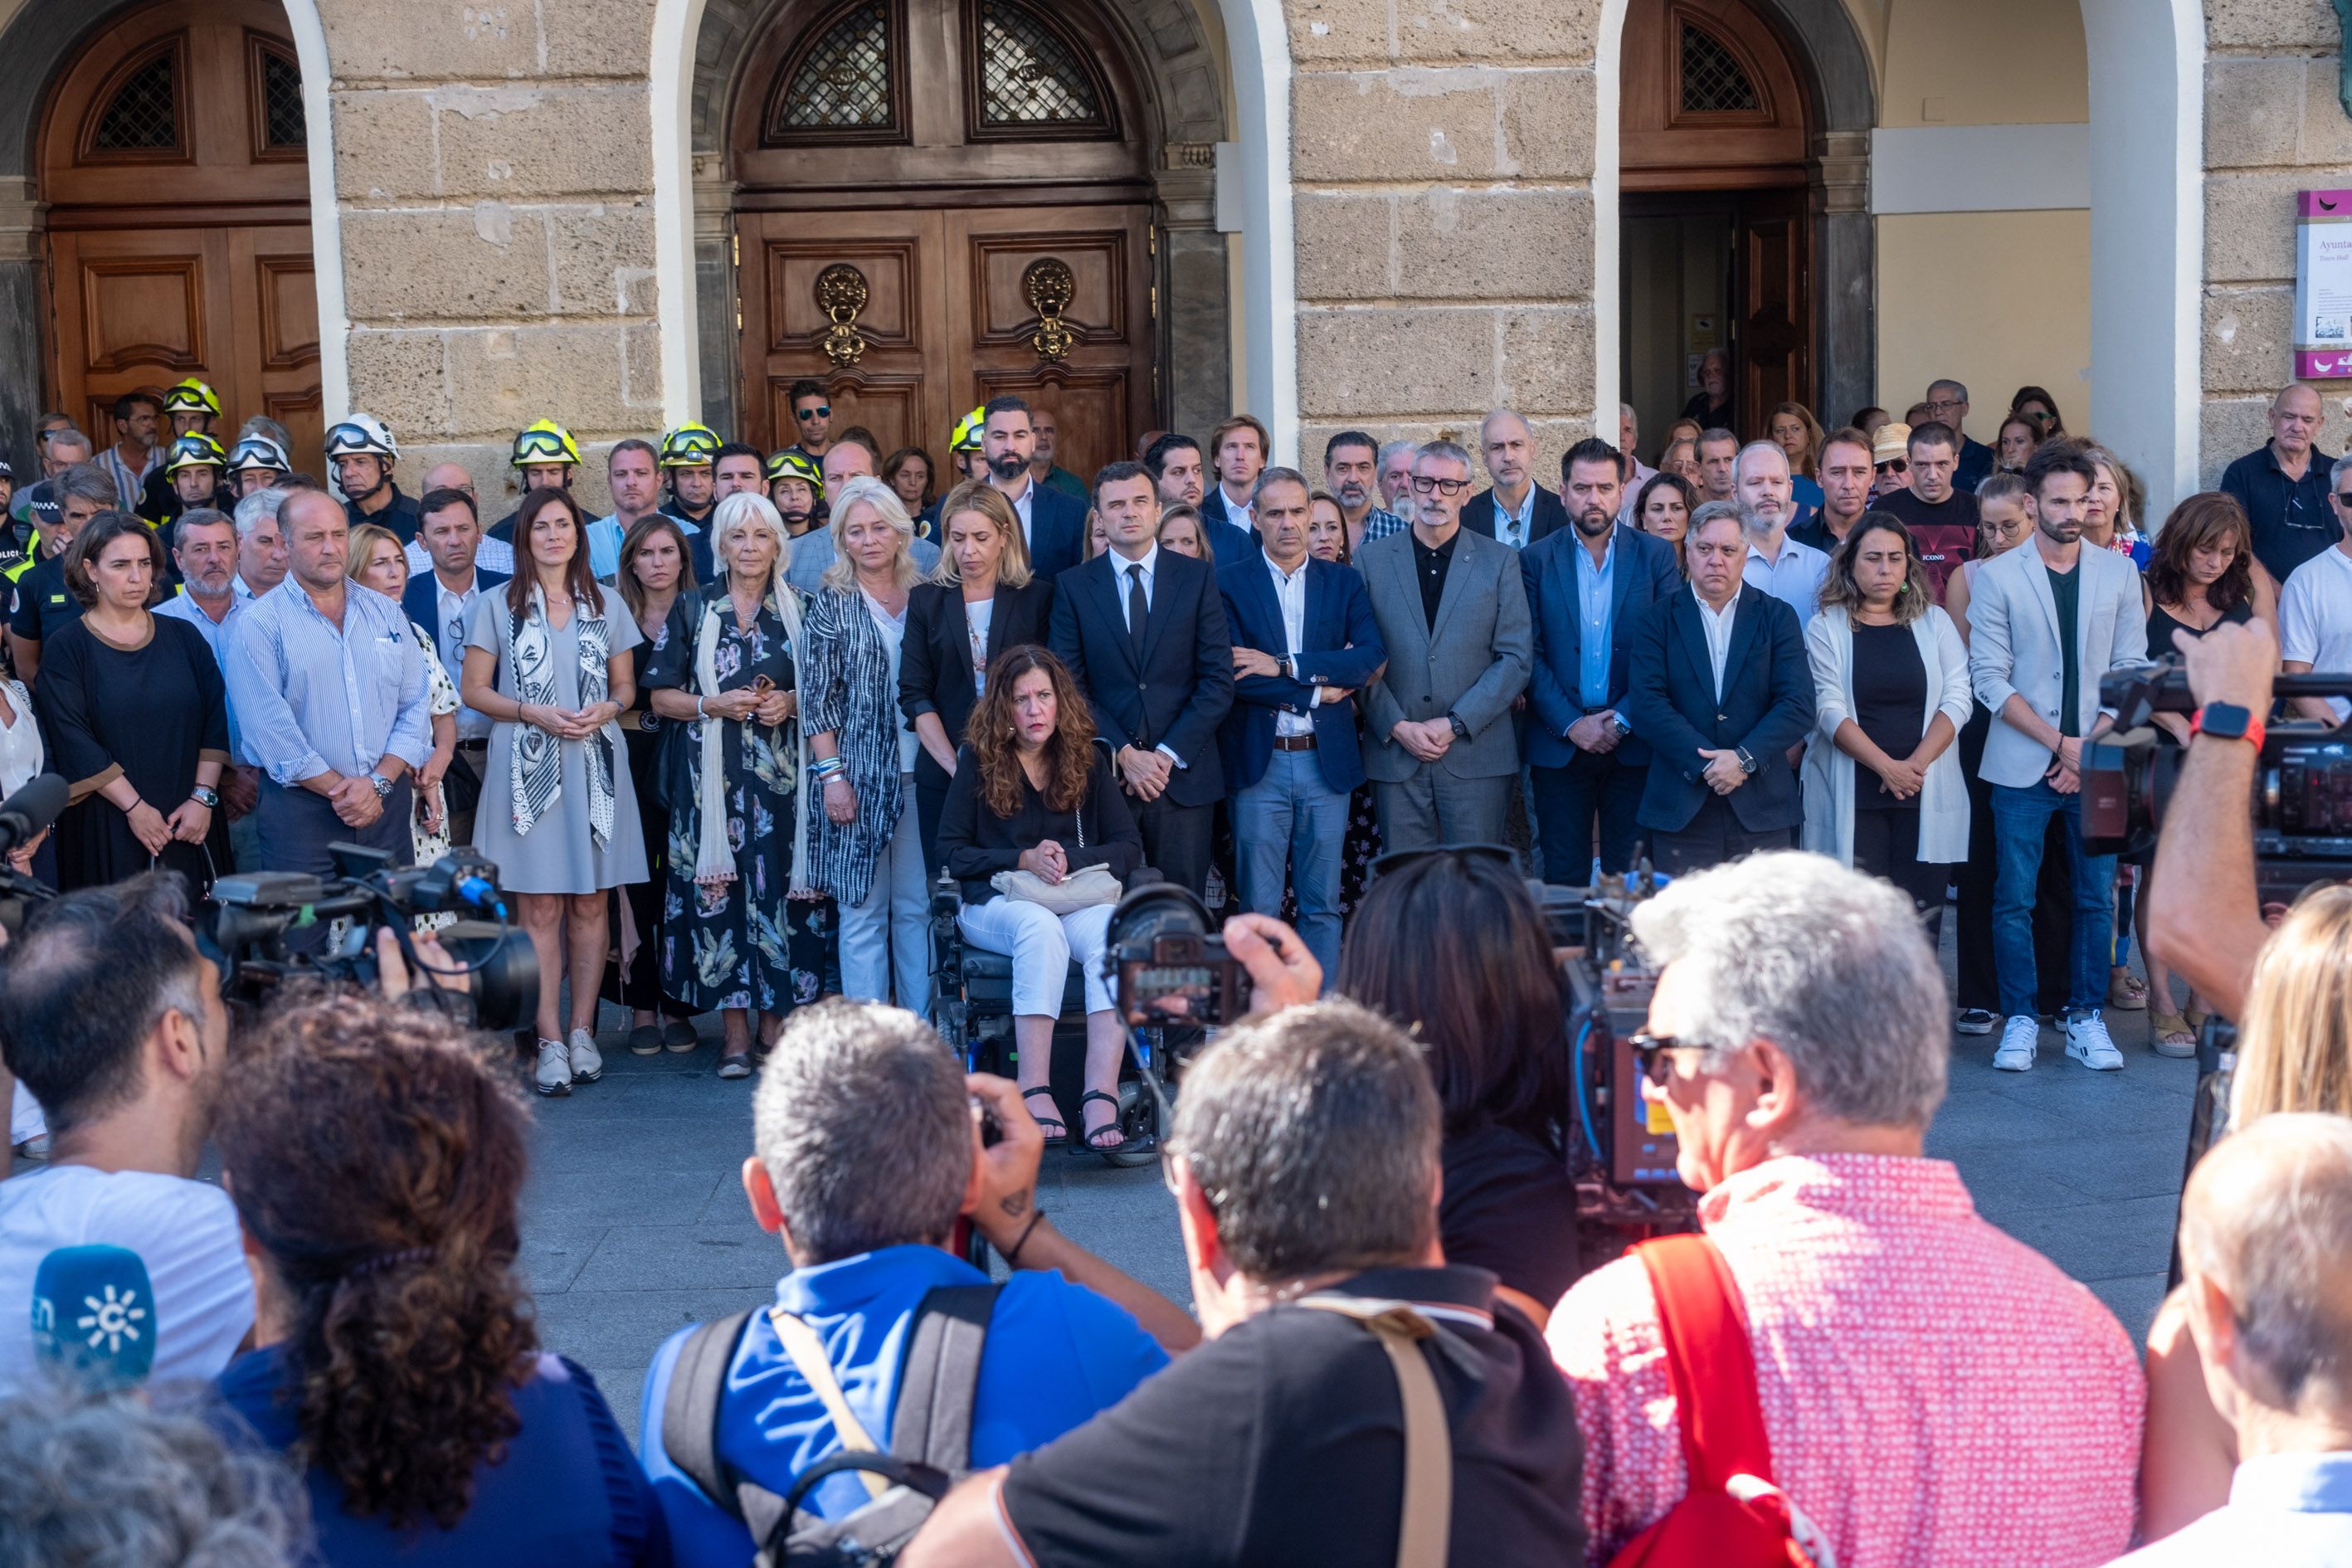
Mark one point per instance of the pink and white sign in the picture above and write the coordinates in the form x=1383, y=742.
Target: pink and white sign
x=2323, y=286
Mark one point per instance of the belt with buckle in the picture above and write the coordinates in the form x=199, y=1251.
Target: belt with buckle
x=1294, y=742
x=481, y=745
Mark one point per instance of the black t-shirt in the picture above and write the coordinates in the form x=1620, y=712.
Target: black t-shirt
x=2067, y=596
x=1890, y=693
x=1509, y=1208
x=1945, y=531
x=1281, y=1441
x=43, y=602
x=1431, y=566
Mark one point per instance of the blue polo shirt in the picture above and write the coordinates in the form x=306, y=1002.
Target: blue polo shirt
x=2291, y=518
x=1057, y=1354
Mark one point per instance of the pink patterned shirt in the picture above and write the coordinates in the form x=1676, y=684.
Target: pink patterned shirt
x=1937, y=1394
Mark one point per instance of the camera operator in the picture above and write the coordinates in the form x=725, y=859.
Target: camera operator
x=1306, y=1165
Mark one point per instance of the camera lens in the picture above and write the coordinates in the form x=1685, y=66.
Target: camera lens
x=504, y=982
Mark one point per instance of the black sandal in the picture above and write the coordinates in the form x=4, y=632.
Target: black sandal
x=1117, y=1112
x=1054, y=1140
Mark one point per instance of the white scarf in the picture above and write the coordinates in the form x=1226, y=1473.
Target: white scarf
x=714, y=858
x=536, y=757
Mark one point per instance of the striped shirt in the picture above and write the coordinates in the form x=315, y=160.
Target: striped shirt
x=312, y=697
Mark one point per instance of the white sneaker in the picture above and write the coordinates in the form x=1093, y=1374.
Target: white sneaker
x=2087, y=1042
x=587, y=1061
x=554, y=1074
x=2019, y=1041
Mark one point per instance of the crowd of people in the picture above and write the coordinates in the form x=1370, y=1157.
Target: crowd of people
x=723, y=744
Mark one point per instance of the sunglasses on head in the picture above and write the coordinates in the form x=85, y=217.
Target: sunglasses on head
x=821, y=411
x=1397, y=860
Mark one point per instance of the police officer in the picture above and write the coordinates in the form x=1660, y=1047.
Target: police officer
x=257, y=463
x=362, y=452
x=546, y=456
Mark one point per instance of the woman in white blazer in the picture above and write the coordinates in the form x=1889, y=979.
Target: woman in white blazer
x=1886, y=795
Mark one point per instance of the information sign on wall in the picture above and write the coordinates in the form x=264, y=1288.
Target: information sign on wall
x=2323, y=286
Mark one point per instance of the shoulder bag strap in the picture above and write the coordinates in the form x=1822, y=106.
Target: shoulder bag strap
x=1709, y=1361
x=930, y=1419
x=1423, y=1532
x=807, y=1353
x=691, y=1405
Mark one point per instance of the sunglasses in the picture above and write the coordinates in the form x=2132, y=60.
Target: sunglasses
x=1650, y=1056
x=821, y=411
x=1397, y=860
x=2344, y=497
x=1896, y=466
x=1423, y=484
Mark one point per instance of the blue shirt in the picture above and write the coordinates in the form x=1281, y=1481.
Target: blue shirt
x=1596, y=589
x=1057, y=1354
x=1795, y=579
x=2285, y=1510
x=604, y=536
x=311, y=698
x=220, y=637
x=2291, y=518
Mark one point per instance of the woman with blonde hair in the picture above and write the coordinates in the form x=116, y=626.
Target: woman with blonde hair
x=377, y=560
x=867, y=851
x=740, y=931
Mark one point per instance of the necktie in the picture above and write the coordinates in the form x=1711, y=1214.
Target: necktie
x=1136, y=609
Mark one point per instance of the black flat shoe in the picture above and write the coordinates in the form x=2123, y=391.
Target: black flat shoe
x=644, y=1040
x=679, y=1036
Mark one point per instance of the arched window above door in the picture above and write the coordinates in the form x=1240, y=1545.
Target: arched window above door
x=141, y=112
x=842, y=84
x=1712, y=80
x=1030, y=77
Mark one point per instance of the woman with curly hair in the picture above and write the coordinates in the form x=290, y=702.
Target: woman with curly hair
x=375, y=1157
x=1034, y=792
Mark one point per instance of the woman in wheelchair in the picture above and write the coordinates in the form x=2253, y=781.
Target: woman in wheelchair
x=1032, y=792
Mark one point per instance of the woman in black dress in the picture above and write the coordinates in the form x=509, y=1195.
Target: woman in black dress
x=2199, y=576
x=133, y=711
x=1327, y=540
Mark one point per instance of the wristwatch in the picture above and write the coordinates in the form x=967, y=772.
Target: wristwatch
x=205, y=796
x=1289, y=668
x=383, y=785
x=1461, y=731
x=1747, y=763
x=2227, y=721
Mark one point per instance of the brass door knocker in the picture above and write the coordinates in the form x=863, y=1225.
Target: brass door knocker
x=1050, y=289
x=841, y=294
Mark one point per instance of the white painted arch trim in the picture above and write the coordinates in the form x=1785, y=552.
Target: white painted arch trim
x=1260, y=49
x=326, y=215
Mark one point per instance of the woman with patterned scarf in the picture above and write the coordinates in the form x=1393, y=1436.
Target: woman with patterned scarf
x=741, y=929
x=548, y=662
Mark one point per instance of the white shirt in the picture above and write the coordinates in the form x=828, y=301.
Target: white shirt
x=1795, y=579
x=1718, y=627
x=185, y=1232
x=452, y=610
x=1022, y=506
x=1122, y=574
x=977, y=618
x=894, y=637
x=2314, y=616
x=1240, y=513
x=20, y=743
x=1290, y=592
x=1512, y=528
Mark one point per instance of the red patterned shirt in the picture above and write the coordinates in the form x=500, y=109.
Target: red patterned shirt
x=1937, y=1392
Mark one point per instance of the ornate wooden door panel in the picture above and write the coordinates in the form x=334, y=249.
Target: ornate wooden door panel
x=1774, y=328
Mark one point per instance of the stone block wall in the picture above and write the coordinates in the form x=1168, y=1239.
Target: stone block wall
x=493, y=166
x=1443, y=176
x=2274, y=126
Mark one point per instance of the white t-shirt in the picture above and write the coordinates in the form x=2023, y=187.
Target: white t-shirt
x=2316, y=617
x=185, y=1232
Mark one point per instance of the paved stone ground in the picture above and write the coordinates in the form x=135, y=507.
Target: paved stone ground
x=635, y=1222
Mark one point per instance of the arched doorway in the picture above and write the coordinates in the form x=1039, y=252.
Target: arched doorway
x=173, y=156
x=938, y=201
x=1715, y=249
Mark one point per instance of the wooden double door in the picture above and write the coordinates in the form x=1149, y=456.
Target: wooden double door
x=960, y=305
x=174, y=159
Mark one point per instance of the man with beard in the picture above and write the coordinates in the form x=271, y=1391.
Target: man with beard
x=203, y=547
x=1174, y=461
x=1052, y=523
x=1790, y=571
x=1586, y=585
x=1351, y=473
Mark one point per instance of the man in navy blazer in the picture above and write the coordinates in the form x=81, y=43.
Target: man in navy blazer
x=442, y=601
x=1143, y=632
x=1515, y=509
x=1303, y=643
x=1586, y=586
x=1051, y=524
x=1720, y=690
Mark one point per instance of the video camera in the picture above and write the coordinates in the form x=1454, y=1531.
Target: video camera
x=245, y=925
x=2302, y=802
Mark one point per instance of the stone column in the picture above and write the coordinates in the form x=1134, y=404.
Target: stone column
x=1194, y=329
x=21, y=372
x=1845, y=275
x=494, y=168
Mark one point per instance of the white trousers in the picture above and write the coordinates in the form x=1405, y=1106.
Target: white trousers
x=1041, y=945
x=889, y=933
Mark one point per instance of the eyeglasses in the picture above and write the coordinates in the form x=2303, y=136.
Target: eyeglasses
x=1423, y=484
x=1650, y=1054
x=821, y=411
x=1941, y=402
x=1397, y=860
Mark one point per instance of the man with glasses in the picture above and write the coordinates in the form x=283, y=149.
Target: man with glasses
x=1938, y=1391
x=361, y=452
x=1720, y=688
x=812, y=418
x=1946, y=403
x=2283, y=486
x=1351, y=473
x=1452, y=608
x=688, y=453
x=1890, y=459
x=1941, y=516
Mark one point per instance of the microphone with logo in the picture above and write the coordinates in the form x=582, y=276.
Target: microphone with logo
x=94, y=1315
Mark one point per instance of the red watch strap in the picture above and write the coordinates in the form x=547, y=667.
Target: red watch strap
x=2254, y=730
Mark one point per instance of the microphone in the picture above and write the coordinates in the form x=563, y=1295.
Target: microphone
x=93, y=1314
x=32, y=807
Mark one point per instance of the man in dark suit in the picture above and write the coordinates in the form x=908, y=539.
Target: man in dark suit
x=1303, y=643
x=1143, y=632
x=1515, y=509
x=1720, y=691
x=1586, y=586
x=1053, y=525
x=1173, y=461
x=442, y=601
x=1237, y=450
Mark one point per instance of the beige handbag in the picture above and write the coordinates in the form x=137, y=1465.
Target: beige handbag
x=1081, y=889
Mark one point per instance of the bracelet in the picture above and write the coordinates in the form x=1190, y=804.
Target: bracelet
x=1013, y=1257
x=700, y=711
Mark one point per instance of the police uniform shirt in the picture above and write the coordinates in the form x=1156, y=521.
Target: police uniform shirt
x=43, y=602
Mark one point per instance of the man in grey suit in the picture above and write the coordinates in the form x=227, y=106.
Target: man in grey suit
x=2046, y=622
x=1453, y=611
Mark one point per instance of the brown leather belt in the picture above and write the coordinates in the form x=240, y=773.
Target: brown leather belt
x=1294, y=742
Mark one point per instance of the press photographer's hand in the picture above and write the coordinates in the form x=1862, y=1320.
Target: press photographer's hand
x=2232, y=663
x=1282, y=973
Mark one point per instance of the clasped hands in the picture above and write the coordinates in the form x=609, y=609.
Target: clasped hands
x=1047, y=861
x=770, y=705
x=568, y=723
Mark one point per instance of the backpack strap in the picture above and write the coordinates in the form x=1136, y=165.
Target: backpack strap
x=930, y=1420
x=691, y=1405
x=1709, y=1361
x=806, y=1353
x=1424, y=1530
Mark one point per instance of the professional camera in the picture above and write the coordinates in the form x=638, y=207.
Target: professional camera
x=246, y=923
x=1167, y=967
x=2303, y=785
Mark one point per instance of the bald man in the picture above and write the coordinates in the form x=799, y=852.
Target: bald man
x=2282, y=485
x=1513, y=508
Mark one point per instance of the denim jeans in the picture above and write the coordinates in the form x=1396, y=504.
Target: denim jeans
x=2020, y=819
x=1291, y=819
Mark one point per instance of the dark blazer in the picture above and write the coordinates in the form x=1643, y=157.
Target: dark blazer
x=1230, y=540
x=975, y=843
x=422, y=598
x=1179, y=693
x=1339, y=645
x=935, y=661
x=1057, y=532
x=1549, y=516
x=1973, y=465
x=1642, y=574
x=1767, y=707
